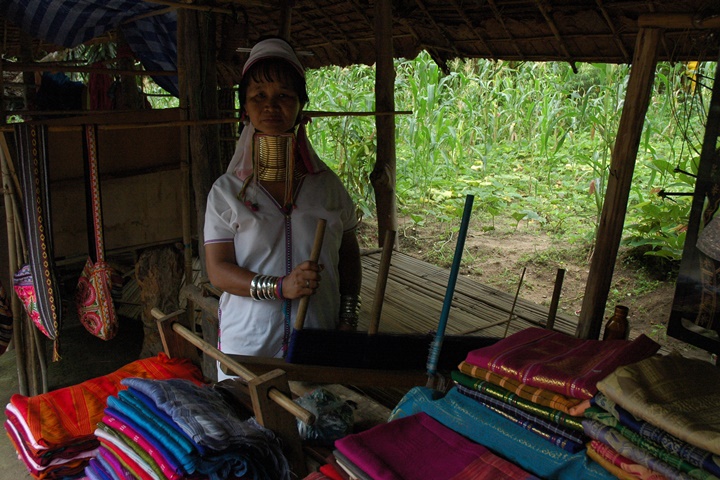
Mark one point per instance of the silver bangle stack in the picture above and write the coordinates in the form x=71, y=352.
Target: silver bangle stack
x=350, y=310
x=264, y=287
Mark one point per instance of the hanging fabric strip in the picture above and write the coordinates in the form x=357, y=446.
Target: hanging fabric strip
x=95, y=285
x=32, y=153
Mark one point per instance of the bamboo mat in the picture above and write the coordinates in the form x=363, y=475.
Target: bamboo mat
x=415, y=293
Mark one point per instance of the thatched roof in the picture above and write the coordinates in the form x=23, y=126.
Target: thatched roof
x=341, y=32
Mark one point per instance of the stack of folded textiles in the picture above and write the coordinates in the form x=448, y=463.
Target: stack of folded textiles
x=173, y=429
x=415, y=447
x=657, y=419
x=525, y=395
x=53, y=432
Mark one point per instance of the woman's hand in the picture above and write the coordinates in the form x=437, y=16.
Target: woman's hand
x=302, y=281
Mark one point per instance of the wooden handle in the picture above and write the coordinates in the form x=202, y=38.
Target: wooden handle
x=381, y=281
x=277, y=396
x=314, y=256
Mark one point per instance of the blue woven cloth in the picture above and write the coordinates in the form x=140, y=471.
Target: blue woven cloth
x=522, y=447
x=69, y=23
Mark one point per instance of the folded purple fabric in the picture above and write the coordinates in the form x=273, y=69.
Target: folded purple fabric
x=558, y=362
x=420, y=447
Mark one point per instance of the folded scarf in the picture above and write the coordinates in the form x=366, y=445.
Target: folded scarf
x=674, y=393
x=508, y=440
x=208, y=420
x=618, y=465
x=112, y=465
x=559, y=362
x=564, y=438
x=625, y=447
x=170, y=467
x=420, y=447
x=499, y=393
x=97, y=471
x=692, y=454
x=180, y=448
x=124, y=441
x=68, y=414
x=537, y=395
x=44, y=456
x=49, y=463
x=602, y=416
x=129, y=460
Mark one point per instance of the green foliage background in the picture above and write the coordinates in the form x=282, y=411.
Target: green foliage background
x=531, y=141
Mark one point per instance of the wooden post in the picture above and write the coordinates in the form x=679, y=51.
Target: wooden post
x=198, y=94
x=384, y=174
x=622, y=165
x=285, y=19
x=272, y=416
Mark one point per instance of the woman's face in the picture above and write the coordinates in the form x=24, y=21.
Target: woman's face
x=273, y=106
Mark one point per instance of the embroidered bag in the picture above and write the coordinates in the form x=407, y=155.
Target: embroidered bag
x=36, y=283
x=95, y=286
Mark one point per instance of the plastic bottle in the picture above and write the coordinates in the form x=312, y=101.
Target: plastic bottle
x=617, y=328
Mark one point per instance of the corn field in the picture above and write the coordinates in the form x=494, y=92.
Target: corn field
x=531, y=141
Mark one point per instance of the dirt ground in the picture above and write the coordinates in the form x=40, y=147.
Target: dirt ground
x=497, y=258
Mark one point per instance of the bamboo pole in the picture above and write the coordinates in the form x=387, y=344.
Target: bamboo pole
x=66, y=67
x=382, y=278
x=622, y=164
x=314, y=256
x=16, y=307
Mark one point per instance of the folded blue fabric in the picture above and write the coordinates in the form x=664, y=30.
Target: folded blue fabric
x=509, y=440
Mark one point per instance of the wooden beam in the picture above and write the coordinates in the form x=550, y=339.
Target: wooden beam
x=678, y=21
x=383, y=176
x=622, y=165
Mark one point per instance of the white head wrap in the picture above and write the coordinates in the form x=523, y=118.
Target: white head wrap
x=241, y=162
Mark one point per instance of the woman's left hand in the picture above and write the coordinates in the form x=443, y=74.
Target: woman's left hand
x=302, y=281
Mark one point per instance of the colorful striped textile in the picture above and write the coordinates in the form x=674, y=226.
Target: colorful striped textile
x=613, y=438
x=693, y=455
x=508, y=440
x=33, y=158
x=618, y=465
x=167, y=463
x=537, y=395
x=191, y=432
x=677, y=394
x=559, y=362
x=55, y=468
x=419, y=447
x=499, y=393
x=599, y=415
x=564, y=438
x=181, y=449
x=70, y=414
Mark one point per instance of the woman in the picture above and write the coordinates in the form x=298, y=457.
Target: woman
x=262, y=214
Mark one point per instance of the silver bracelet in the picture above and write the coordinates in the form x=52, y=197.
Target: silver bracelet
x=350, y=310
x=263, y=287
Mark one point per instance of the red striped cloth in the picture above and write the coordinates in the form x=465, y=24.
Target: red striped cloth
x=558, y=362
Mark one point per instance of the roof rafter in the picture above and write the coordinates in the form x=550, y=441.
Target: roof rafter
x=501, y=21
x=613, y=30
x=472, y=27
x=556, y=33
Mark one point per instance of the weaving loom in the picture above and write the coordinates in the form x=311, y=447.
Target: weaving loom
x=372, y=350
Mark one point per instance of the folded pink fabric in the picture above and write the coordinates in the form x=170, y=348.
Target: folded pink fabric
x=558, y=362
x=420, y=447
